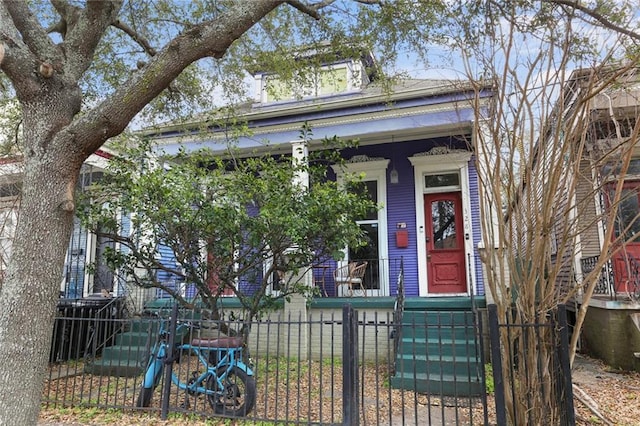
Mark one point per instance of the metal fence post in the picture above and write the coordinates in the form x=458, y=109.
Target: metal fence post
x=496, y=363
x=565, y=367
x=168, y=368
x=350, y=366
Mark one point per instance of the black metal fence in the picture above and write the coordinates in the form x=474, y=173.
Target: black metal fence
x=531, y=369
x=84, y=326
x=324, y=369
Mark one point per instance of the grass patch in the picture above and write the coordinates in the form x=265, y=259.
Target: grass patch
x=488, y=377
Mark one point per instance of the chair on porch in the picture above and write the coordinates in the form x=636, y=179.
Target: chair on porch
x=350, y=275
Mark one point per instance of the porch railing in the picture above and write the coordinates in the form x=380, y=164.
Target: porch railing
x=605, y=284
x=103, y=332
x=398, y=310
x=380, y=278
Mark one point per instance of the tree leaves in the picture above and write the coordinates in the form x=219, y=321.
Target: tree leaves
x=244, y=218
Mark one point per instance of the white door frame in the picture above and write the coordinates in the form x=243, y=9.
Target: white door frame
x=451, y=162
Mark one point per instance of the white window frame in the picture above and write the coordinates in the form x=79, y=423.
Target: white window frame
x=373, y=170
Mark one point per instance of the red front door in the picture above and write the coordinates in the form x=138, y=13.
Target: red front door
x=626, y=260
x=445, y=243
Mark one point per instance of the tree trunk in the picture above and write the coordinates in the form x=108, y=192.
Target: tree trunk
x=56, y=142
x=30, y=292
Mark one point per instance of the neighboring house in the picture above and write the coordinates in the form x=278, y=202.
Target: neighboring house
x=612, y=326
x=414, y=149
x=85, y=248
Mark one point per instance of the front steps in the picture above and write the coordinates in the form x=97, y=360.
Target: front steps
x=439, y=351
x=127, y=357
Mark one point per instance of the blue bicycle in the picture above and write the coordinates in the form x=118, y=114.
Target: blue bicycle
x=227, y=382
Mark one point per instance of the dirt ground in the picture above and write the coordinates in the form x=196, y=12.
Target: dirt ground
x=615, y=396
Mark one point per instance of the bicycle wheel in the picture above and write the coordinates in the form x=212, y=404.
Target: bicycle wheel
x=144, y=397
x=238, y=396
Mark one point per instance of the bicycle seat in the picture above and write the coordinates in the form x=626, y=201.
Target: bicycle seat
x=222, y=342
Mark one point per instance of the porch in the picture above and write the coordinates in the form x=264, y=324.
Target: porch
x=617, y=281
x=611, y=330
x=377, y=278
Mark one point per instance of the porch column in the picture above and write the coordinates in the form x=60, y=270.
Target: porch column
x=300, y=154
x=295, y=309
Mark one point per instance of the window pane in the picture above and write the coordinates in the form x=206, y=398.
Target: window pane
x=627, y=219
x=371, y=253
x=435, y=181
x=369, y=187
x=613, y=168
x=277, y=90
x=444, y=224
x=333, y=81
x=610, y=130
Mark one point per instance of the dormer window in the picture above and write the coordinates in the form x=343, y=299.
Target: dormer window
x=326, y=81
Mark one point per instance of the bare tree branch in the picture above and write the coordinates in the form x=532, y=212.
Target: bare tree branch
x=306, y=9
x=143, y=42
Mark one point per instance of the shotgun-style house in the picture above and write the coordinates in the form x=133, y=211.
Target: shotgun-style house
x=415, y=151
x=599, y=221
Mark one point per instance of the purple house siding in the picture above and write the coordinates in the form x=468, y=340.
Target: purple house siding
x=474, y=196
x=168, y=259
x=400, y=204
